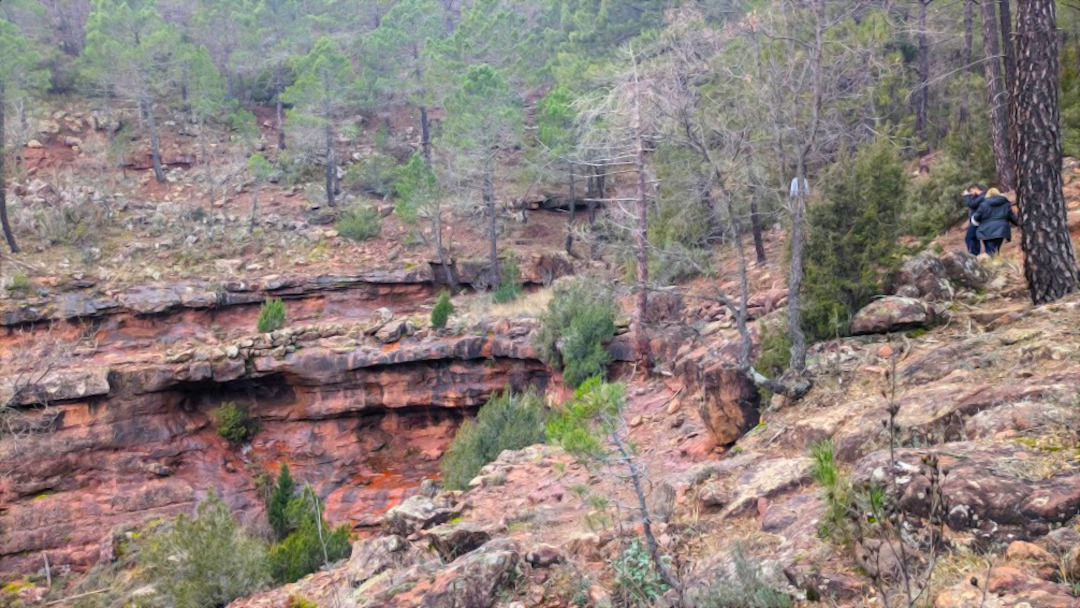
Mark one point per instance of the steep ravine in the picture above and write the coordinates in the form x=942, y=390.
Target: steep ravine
x=133, y=436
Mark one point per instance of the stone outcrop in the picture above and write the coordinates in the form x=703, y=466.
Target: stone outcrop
x=892, y=313
x=728, y=402
x=363, y=422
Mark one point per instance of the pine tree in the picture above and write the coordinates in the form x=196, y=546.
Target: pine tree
x=132, y=53
x=1049, y=259
x=483, y=124
x=278, y=510
x=20, y=76
x=324, y=87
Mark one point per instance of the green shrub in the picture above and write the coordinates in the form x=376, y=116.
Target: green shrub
x=851, y=237
x=301, y=550
x=374, y=175
x=20, y=284
x=510, y=281
x=278, y=508
x=442, y=311
x=774, y=352
x=299, y=601
x=360, y=224
x=637, y=583
x=507, y=422
x=581, y=318
x=747, y=588
x=271, y=316
x=301, y=553
x=235, y=423
x=935, y=203
x=835, y=523
x=207, y=560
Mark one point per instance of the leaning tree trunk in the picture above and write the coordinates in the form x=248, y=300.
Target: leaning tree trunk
x=489, y=204
x=331, y=168
x=1049, y=259
x=8, y=234
x=999, y=98
x=155, y=146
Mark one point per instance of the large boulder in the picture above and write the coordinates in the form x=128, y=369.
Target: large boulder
x=923, y=276
x=892, y=313
x=374, y=556
x=728, y=404
x=473, y=580
x=456, y=539
x=964, y=269
x=416, y=513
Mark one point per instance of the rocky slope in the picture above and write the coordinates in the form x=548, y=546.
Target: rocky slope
x=990, y=392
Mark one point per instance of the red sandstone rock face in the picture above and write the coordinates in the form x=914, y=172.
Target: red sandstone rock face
x=363, y=424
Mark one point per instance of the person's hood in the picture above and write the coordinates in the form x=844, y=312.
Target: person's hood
x=997, y=200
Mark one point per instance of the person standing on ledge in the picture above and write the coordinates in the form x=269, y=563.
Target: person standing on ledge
x=973, y=197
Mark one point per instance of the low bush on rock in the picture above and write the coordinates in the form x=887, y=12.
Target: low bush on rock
x=207, y=560
x=510, y=282
x=578, y=322
x=637, y=583
x=235, y=423
x=360, y=224
x=507, y=422
x=271, y=316
x=442, y=311
x=746, y=587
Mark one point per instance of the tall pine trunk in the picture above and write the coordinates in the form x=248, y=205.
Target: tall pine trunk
x=451, y=280
x=999, y=97
x=573, y=212
x=489, y=204
x=331, y=168
x=1049, y=259
x=8, y=234
x=755, y=216
x=922, y=99
x=155, y=146
x=1008, y=45
x=797, y=361
x=643, y=350
x=425, y=135
x=279, y=108
x=969, y=17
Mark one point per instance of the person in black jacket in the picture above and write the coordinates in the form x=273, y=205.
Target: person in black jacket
x=973, y=197
x=995, y=218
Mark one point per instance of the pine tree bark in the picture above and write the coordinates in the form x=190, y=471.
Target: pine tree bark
x=8, y=234
x=1008, y=45
x=451, y=280
x=573, y=212
x=1049, y=259
x=425, y=135
x=489, y=204
x=999, y=97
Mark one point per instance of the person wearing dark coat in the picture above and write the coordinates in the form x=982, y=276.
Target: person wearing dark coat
x=995, y=218
x=973, y=197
